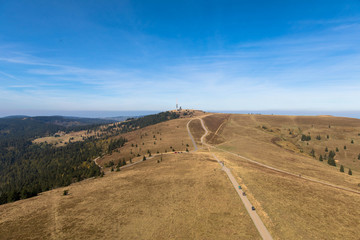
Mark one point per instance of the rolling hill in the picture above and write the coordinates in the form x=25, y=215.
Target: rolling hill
x=184, y=194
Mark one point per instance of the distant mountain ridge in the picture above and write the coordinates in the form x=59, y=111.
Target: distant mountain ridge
x=61, y=120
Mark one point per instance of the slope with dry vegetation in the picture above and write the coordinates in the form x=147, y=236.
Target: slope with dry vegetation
x=185, y=196
x=290, y=206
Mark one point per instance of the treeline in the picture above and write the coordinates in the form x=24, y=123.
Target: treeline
x=132, y=124
x=27, y=169
x=114, y=144
x=31, y=169
x=34, y=127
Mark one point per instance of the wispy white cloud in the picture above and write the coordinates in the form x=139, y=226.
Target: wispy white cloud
x=8, y=75
x=317, y=71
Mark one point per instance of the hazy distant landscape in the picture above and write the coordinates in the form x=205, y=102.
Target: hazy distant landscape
x=119, y=115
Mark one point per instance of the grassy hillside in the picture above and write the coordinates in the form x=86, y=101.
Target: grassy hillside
x=186, y=196
x=292, y=207
x=196, y=130
x=257, y=137
x=167, y=137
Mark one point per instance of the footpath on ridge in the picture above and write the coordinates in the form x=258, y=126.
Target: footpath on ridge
x=264, y=233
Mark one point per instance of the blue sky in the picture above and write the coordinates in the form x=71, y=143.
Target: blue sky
x=212, y=55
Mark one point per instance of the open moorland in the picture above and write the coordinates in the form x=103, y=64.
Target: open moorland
x=266, y=139
x=196, y=130
x=178, y=193
x=62, y=138
x=293, y=207
x=185, y=196
x=163, y=138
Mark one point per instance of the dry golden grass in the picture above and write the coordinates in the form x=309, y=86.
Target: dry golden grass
x=243, y=136
x=64, y=138
x=186, y=196
x=293, y=208
x=341, y=132
x=196, y=130
x=167, y=134
x=215, y=124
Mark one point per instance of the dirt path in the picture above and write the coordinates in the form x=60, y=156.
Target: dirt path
x=289, y=173
x=56, y=233
x=191, y=136
x=279, y=170
x=254, y=216
x=95, y=160
x=283, y=171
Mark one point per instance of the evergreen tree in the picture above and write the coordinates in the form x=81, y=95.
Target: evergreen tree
x=312, y=153
x=350, y=172
x=144, y=158
x=345, y=147
x=305, y=138
x=326, y=149
x=337, y=149
x=332, y=154
x=321, y=158
x=3, y=198
x=331, y=160
x=352, y=141
x=341, y=168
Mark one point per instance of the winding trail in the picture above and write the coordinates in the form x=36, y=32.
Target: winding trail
x=191, y=136
x=264, y=233
x=289, y=173
x=280, y=170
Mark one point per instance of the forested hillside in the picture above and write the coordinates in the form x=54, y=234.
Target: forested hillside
x=27, y=168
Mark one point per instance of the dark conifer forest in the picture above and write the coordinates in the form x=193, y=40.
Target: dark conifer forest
x=27, y=169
